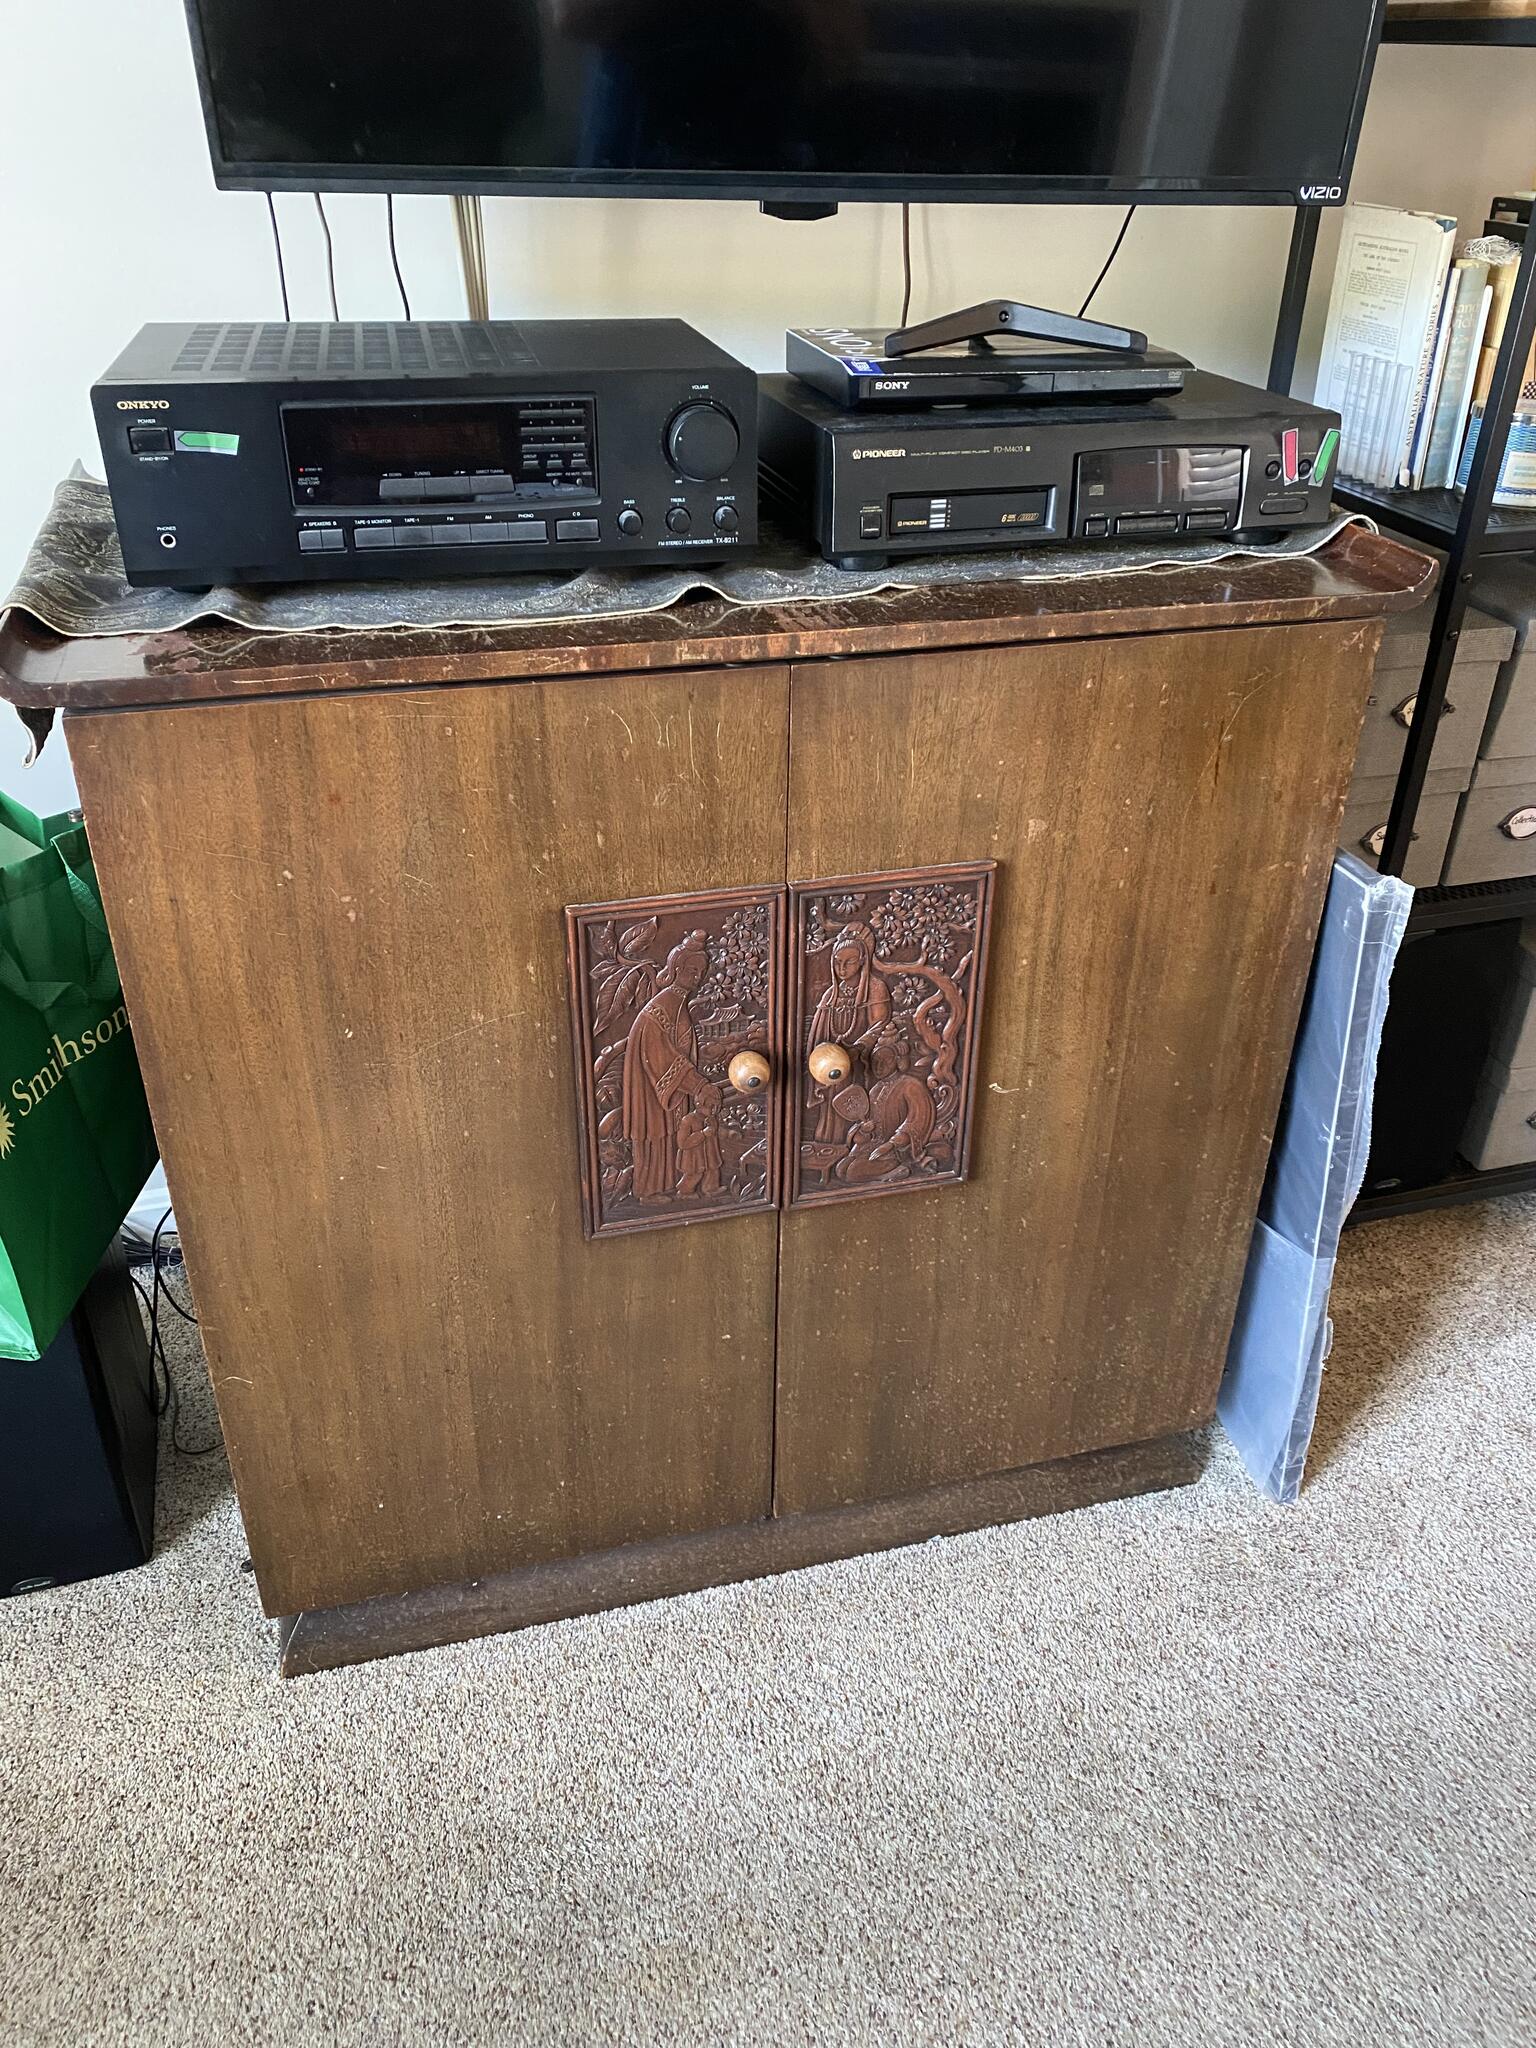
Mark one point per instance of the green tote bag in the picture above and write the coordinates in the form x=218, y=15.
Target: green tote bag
x=76, y=1143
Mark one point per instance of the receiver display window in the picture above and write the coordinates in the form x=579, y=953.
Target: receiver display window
x=534, y=448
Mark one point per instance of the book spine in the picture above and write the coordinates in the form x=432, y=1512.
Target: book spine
x=1481, y=302
x=1402, y=464
x=1419, y=456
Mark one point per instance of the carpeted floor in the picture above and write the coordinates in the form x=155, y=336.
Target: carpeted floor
x=1183, y=1771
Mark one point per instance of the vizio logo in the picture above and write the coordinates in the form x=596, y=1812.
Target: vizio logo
x=1319, y=195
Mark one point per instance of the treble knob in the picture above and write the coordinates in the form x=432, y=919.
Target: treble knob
x=749, y=1073
x=829, y=1064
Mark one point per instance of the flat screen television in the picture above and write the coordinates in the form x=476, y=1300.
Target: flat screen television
x=1233, y=101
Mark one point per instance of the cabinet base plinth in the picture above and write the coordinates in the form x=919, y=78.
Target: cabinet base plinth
x=324, y=1639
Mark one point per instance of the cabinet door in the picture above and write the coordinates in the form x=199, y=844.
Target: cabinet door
x=1162, y=812
x=342, y=928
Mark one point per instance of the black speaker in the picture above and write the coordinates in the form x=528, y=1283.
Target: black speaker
x=78, y=1436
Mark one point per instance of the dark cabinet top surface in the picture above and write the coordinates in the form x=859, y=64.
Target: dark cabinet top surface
x=1359, y=574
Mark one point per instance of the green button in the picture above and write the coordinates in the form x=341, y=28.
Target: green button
x=207, y=444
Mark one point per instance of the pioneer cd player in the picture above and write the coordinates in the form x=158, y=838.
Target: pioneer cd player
x=1215, y=459
x=290, y=452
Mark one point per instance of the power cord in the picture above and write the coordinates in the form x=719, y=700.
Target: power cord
x=1093, y=293
x=277, y=244
x=167, y=1400
x=330, y=255
x=906, y=262
x=394, y=254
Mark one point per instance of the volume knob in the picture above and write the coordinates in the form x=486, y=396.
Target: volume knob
x=702, y=442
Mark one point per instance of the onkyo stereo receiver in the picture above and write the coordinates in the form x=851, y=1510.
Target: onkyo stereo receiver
x=280, y=453
x=1216, y=458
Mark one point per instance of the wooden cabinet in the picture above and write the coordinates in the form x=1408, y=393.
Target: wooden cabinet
x=443, y=981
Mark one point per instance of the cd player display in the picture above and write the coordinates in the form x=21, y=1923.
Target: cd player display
x=973, y=512
x=393, y=453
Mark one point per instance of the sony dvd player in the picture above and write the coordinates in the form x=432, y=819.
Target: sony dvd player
x=857, y=369
x=291, y=452
x=1218, y=458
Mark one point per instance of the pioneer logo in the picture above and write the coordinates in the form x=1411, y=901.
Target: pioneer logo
x=143, y=405
x=875, y=454
x=1315, y=195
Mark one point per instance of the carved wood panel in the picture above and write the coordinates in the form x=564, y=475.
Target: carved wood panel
x=665, y=993
x=891, y=969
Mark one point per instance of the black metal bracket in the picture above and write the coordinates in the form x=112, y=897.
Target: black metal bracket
x=797, y=209
x=1293, y=299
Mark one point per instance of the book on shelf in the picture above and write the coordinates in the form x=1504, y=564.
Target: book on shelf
x=1411, y=475
x=1470, y=295
x=1387, y=339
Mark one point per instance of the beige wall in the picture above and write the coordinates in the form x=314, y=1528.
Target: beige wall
x=744, y=278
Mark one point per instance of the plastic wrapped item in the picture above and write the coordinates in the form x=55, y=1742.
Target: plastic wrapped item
x=1282, y=1334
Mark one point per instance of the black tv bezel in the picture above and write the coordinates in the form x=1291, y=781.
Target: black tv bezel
x=820, y=189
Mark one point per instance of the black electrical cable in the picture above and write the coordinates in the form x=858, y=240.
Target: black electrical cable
x=1108, y=260
x=167, y=1401
x=906, y=262
x=330, y=255
x=277, y=244
x=394, y=254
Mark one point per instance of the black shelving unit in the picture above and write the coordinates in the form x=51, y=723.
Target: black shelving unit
x=1433, y=517
x=1464, y=1185
x=1512, y=32
x=1466, y=527
x=1436, y=910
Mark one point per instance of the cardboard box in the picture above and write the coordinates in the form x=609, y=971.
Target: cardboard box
x=1484, y=645
x=1495, y=834
x=1514, y=1037
x=1501, y=1130
x=1370, y=804
x=1506, y=590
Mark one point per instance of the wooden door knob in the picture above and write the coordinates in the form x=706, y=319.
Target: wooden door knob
x=749, y=1073
x=829, y=1064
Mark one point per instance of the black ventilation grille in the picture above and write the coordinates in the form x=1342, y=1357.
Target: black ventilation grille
x=375, y=348
x=1456, y=903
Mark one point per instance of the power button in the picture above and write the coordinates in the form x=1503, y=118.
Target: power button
x=149, y=440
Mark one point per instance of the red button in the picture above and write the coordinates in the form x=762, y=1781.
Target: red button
x=1290, y=455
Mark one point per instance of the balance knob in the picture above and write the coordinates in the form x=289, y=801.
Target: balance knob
x=829, y=1064
x=749, y=1073
x=702, y=442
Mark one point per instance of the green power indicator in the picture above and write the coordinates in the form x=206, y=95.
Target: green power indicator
x=1325, y=456
x=206, y=444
